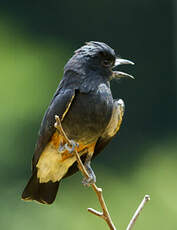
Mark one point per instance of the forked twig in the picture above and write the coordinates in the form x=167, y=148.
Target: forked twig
x=104, y=214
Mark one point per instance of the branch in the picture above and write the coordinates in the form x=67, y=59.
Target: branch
x=136, y=214
x=104, y=214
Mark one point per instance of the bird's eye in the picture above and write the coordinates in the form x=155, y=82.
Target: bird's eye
x=107, y=63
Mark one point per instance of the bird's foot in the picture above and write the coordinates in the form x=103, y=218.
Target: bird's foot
x=91, y=179
x=69, y=147
x=72, y=147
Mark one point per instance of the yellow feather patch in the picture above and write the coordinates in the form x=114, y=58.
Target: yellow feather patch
x=52, y=164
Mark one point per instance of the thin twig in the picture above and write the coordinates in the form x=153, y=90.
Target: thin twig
x=104, y=214
x=136, y=214
x=59, y=127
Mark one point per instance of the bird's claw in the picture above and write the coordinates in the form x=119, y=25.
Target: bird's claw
x=70, y=149
x=73, y=145
x=89, y=181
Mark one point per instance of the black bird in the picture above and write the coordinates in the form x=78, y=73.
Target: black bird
x=89, y=116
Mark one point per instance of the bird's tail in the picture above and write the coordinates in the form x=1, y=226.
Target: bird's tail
x=44, y=193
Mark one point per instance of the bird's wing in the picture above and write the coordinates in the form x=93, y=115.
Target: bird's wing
x=60, y=105
x=110, y=132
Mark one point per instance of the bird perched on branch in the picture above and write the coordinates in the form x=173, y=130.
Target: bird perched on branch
x=89, y=115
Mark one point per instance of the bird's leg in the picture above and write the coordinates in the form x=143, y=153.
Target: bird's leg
x=87, y=181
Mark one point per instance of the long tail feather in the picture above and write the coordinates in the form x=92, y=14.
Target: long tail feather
x=44, y=193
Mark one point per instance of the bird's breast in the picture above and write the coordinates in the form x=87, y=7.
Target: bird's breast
x=89, y=114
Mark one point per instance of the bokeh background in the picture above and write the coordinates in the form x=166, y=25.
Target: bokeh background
x=36, y=40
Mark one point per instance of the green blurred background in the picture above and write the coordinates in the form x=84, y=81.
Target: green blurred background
x=36, y=40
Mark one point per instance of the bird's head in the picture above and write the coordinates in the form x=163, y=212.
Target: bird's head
x=98, y=56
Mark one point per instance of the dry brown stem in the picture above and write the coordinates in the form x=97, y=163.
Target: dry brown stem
x=104, y=214
x=136, y=214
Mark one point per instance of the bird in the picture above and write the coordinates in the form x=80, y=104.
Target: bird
x=89, y=116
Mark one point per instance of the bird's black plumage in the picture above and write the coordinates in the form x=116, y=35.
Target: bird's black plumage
x=84, y=103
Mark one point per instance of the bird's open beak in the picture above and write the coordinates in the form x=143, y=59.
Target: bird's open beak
x=120, y=61
x=118, y=74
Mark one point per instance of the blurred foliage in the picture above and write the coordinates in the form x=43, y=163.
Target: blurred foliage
x=36, y=40
x=28, y=70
